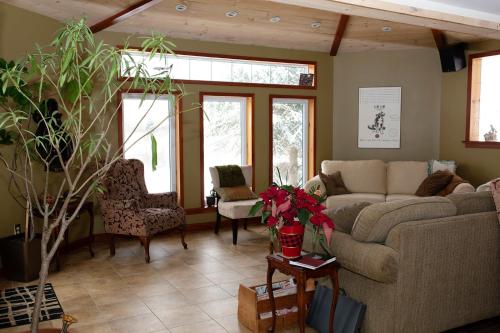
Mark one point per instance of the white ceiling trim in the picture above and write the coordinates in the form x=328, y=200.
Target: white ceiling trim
x=448, y=9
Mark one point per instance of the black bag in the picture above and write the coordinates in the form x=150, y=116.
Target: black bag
x=348, y=313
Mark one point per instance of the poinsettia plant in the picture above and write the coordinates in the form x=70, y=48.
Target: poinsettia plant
x=287, y=205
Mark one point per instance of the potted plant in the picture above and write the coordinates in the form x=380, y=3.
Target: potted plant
x=79, y=73
x=286, y=210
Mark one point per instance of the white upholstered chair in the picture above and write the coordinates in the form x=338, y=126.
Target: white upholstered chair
x=233, y=210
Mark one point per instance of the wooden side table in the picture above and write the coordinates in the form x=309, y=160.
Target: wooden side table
x=301, y=275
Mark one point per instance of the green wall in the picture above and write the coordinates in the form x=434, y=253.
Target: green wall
x=17, y=39
x=477, y=165
x=418, y=73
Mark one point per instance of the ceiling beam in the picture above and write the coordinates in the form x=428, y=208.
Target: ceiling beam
x=339, y=34
x=440, y=39
x=405, y=14
x=124, y=14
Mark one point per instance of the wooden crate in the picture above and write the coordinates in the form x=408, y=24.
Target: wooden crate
x=249, y=308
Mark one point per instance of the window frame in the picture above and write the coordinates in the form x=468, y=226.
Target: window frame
x=313, y=69
x=311, y=133
x=250, y=134
x=468, y=142
x=179, y=147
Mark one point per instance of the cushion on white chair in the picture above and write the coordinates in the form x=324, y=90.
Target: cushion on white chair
x=236, y=209
x=247, y=173
x=336, y=201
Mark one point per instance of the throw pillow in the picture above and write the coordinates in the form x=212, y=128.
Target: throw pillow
x=344, y=217
x=230, y=176
x=455, y=181
x=433, y=184
x=437, y=165
x=333, y=183
x=235, y=193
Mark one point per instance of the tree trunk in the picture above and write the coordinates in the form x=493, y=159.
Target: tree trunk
x=35, y=316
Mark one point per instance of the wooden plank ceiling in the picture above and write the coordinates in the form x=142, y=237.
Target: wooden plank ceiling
x=206, y=20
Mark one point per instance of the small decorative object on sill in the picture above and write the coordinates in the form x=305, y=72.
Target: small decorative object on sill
x=286, y=210
x=491, y=135
x=306, y=80
x=211, y=199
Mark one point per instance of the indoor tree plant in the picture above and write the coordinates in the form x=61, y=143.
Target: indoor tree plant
x=80, y=75
x=286, y=210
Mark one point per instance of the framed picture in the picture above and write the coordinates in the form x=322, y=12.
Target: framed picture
x=306, y=80
x=379, y=121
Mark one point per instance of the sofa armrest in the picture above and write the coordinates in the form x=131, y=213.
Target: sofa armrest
x=160, y=200
x=374, y=261
x=464, y=188
x=314, y=184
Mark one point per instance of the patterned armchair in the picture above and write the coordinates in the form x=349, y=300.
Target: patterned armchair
x=128, y=209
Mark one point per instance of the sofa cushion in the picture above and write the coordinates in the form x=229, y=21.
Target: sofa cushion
x=333, y=183
x=397, y=197
x=344, y=217
x=336, y=201
x=434, y=184
x=472, y=203
x=359, y=176
x=375, y=221
x=404, y=177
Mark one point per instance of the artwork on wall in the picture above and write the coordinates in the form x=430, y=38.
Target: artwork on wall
x=379, y=119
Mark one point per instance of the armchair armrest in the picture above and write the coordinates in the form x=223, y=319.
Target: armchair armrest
x=120, y=205
x=314, y=184
x=160, y=200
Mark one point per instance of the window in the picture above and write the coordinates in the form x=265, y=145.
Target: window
x=227, y=133
x=141, y=109
x=483, y=114
x=222, y=69
x=292, y=139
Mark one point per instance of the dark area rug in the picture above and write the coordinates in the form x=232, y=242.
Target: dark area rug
x=16, y=305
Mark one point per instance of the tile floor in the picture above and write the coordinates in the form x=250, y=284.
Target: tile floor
x=192, y=290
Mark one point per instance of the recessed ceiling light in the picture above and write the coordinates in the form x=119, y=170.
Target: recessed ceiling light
x=181, y=7
x=275, y=19
x=315, y=25
x=232, y=13
x=386, y=29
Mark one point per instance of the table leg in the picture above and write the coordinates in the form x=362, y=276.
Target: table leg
x=270, y=272
x=91, y=231
x=335, y=285
x=301, y=302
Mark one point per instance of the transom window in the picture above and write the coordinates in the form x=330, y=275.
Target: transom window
x=157, y=116
x=227, y=133
x=292, y=140
x=187, y=67
x=483, y=121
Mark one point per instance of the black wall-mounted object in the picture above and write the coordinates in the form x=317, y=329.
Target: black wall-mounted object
x=453, y=57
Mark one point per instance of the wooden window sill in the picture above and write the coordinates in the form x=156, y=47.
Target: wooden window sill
x=482, y=144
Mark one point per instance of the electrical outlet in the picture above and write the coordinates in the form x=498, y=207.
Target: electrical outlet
x=17, y=229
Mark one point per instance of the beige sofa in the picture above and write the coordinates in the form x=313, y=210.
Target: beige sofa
x=422, y=265
x=376, y=181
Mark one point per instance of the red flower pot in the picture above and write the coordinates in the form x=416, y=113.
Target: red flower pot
x=291, y=238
